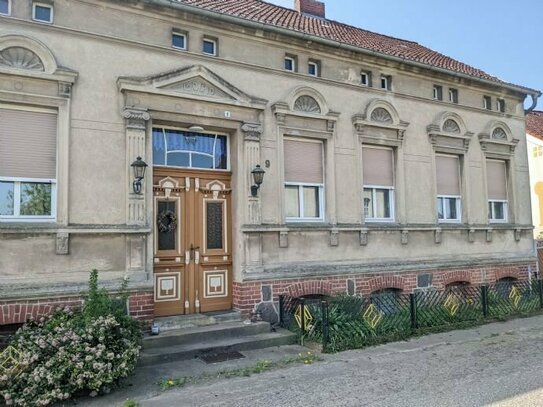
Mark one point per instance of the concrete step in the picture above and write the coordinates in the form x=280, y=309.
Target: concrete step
x=213, y=345
x=202, y=334
x=194, y=320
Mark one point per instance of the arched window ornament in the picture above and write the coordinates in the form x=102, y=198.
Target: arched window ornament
x=307, y=104
x=499, y=134
x=21, y=58
x=381, y=115
x=450, y=126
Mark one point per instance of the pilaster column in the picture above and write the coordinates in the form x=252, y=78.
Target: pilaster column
x=252, y=133
x=136, y=129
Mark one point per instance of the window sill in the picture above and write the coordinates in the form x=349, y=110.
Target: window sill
x=54, y=228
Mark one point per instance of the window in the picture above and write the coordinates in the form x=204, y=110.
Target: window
x=487, y=102
x=386, y=82
x=538, y=151
x=453, y=95
x=42, y=12
x=5, y=7
x=378, y=173
x=496, y=173
x=449, y=208
x=304, y=180
x=210, y=47
x=365, y=78
x=180, y=148
x=386, y=300
x=313, y=68
x=27, y=165
x=179, y=40
x=500, y=105
x=290, y=63
x=438, y=92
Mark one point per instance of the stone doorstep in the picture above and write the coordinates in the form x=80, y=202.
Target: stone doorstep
x=195, y=320
x=189, y=343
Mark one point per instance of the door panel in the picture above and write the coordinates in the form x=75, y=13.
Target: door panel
x=193, y=262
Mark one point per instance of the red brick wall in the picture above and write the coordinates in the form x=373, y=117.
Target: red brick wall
x=20, y=311
x=247, y=296
x=312, y=7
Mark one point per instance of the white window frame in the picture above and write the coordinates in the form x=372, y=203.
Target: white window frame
x=537, y=151
x=9, y=10
x=44, y=6
x=458, y=208
x=301, y=186
x=366, y=81
x=391, y=203
x=385, y=84
x=452, y=93
x=491, y=218
x=316, y=65
x=16, y=217
x=499, y=103
x=214, y=42
x=487, y=102
x=293, y=61
x=437, y=90
x=179, y=34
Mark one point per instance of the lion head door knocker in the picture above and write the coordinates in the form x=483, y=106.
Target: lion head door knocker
x=167, y=221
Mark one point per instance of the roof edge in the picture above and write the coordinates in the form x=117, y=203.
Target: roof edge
x=338, y=44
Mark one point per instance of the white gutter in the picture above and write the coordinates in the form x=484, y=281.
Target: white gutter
x=177, y=4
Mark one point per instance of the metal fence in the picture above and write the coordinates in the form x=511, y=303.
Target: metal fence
x=347, y=322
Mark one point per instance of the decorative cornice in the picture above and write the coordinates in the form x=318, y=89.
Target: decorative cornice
x=448, y=142
x=497, y=148
x=135, y=117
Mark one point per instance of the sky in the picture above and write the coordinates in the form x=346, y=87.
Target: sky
x=502, y=37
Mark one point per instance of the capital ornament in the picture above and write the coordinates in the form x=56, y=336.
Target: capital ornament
x=253, y=131
x=136, y=118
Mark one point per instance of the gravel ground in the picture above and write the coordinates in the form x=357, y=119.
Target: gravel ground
x=498, y=364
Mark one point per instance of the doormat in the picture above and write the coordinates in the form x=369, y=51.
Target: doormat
x=221, y=357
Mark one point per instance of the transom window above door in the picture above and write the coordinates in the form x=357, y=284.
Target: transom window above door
x=185, y=149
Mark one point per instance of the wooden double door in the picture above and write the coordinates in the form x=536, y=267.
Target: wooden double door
x=192, y=241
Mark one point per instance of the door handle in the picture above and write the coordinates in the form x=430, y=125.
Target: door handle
x=194, y=252
x=187, y=257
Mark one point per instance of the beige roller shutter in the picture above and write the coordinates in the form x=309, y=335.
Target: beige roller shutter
x=28, y=144
x=448, y=175
x=303, y=161
x=377, y=166
x=496, y=179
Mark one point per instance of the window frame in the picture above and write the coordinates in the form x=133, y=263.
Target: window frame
x=316, y=64
x=391, y=203
x=453, y=95
x=292, y=60
x=367, y=75
x=44, y=5
x=177, y=33
x=215, y=43
x=458, y=204
x=9, y=9
x=491, y=209
x=537, y=151
x=302, y=218
x=437, y=92
x=17, y=217
x=487, y=102
x=387, y=82
x=500, y=105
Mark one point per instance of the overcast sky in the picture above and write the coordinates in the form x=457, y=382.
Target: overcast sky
x=502, y=37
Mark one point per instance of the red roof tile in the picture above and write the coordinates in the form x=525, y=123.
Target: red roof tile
x=262, y=12
x=534, y=124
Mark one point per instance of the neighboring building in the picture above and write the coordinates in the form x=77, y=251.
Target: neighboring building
x=381, y=158
x=534, y=140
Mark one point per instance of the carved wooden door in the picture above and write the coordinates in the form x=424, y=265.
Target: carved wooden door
x=193, y=249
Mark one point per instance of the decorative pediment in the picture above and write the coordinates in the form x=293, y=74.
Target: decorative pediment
x=380, y=123
x=497, y=140
x=448, y=134
x=194, y=82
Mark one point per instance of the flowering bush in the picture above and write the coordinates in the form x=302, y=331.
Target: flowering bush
x=72, y=352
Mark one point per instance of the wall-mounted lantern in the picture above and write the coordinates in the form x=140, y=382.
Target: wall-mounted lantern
x=139, y=167
x=258, y=177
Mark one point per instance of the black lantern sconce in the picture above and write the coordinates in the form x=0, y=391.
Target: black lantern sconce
x=258, y=177
x=139, y=167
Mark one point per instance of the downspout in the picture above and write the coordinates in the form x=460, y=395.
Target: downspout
x=179, y=5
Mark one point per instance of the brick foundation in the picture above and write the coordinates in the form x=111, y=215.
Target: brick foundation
x=140, y=306
x=247, y=296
